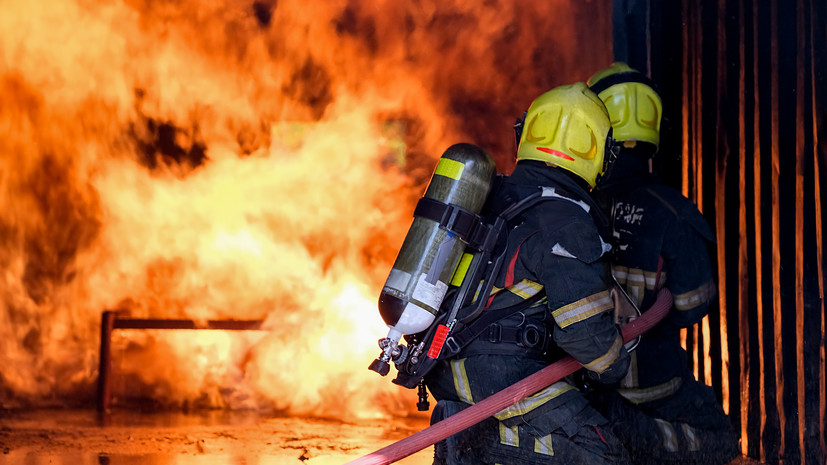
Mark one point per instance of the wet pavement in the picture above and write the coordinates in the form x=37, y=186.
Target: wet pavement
x=82, y=437
x=126, y=437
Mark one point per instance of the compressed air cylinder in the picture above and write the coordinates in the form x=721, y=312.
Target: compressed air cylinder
x=418, y=281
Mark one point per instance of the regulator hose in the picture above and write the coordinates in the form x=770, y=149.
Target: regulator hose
x=508, y=396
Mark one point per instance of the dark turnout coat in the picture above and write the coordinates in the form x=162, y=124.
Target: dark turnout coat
x=660, y=239
x=553, y=249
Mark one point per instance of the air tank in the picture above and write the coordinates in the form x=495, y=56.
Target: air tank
x=419, y=279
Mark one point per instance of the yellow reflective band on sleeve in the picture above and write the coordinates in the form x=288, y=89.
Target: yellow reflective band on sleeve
x=632, y=281
x=461, y=383
x=543, y=445
x=695, y=297
x=525, y=288
x=583, y=308
x=636, y=281
x=642, y=395
x=636, y=276
x=599, y=365
x=543, y=302
x=692, y=442
x=509, y=436
x=670, y=438
x=631, y=378
x=449, y=168
x=531, y=402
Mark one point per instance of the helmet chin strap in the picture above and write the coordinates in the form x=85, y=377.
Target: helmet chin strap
x=612, y=151
x=519, y=124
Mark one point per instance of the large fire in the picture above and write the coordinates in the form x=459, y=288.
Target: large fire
x=246, y=160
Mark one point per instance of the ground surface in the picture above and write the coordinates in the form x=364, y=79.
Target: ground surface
x=83, y=437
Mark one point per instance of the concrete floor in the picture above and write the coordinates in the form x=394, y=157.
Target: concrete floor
x=79, y=437
x=124, y=437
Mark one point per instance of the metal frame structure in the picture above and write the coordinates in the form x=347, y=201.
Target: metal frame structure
x=112, y=320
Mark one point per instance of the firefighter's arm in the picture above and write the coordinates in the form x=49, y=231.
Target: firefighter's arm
x=587, y=331
x=689, y=268
x=573, y=271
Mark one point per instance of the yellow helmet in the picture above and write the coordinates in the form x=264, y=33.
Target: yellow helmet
x=568, y=127
x=633, y=103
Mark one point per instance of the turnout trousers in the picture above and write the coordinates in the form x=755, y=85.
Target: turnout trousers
x=553, y=426
x=686, y=428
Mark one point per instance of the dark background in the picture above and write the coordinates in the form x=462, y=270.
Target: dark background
x=743, y=86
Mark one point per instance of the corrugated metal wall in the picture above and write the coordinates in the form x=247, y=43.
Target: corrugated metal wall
x=745, y=101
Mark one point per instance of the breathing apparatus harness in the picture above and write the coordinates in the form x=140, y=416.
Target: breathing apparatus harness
x=464, y=313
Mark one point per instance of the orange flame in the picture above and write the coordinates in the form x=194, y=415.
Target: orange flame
x=213, y=160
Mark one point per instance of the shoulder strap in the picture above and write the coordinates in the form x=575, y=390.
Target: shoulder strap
x=456, y=342
x=439, y=341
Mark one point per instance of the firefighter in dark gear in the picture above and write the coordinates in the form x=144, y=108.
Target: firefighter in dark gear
x=556, y=278
x=660, y=239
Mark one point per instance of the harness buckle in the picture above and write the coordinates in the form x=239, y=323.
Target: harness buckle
x=531, y=336
x=452, y=345
x=495, y=333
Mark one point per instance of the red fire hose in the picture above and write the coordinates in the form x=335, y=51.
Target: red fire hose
x=508, y=396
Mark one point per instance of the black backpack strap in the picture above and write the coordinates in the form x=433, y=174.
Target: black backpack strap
x=461, y=338
x=409, y=375
x=450, y=217
x=484, y=239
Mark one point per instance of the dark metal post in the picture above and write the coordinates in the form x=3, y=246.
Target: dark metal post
x=105, y=364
